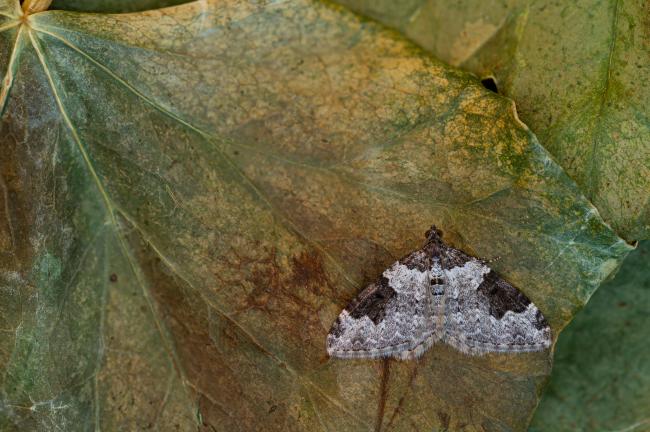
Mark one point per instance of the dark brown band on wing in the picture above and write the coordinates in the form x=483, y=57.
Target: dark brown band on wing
x=420, y=260
x=372, y=301
x=540, y=321
x=502, y=296
x=450, y=258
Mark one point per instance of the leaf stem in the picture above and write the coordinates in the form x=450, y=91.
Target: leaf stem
x=34, y=6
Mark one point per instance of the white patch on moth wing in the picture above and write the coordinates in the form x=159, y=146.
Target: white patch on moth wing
x=408, y=281
x=514, y=332
x=406, y=331
x=466, y=278
x=471, y=328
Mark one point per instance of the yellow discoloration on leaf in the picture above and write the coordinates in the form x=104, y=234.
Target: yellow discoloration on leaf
x=574, y=70
x=35, y=6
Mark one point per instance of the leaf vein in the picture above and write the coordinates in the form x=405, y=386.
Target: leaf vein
x=589, y=189
x=210, y=139
x=107, y=204
x=8, y=80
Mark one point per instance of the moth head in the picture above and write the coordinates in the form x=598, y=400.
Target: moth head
x=433, y=234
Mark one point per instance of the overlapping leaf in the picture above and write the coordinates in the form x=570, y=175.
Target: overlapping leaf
x=192, y=194
x=577, y=71
x=601, y=374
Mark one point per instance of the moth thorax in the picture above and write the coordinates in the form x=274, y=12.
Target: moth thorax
x=437, y=279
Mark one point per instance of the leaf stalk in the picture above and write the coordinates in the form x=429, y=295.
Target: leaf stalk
x=35, y=6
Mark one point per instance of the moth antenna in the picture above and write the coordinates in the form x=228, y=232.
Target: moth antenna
x=491, y=260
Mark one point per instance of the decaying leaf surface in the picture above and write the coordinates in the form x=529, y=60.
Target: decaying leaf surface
x=191, y=195
x=601, y=376
x=113, y=5
x=577, y=71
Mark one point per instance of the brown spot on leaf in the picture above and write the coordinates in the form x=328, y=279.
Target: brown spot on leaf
x=444, y=419
x=16, y=210
x=212, y=353
x=308, y=272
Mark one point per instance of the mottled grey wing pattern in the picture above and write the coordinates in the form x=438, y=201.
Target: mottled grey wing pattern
x=437, y=293
x=484, y=313
x=392, y=317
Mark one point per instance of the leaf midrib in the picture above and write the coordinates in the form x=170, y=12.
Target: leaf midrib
x=590, y=189
x=110, y=210
x=8, y=80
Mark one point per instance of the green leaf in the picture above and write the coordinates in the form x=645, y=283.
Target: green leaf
x=577, y=71
x=195, y=193
x=601, y=376
x=113, y=5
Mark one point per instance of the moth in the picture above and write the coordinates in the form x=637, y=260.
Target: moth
x=438, y=293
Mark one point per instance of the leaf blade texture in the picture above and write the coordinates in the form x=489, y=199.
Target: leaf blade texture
x=576, y=72
x=601, y=377
x=197, y=192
